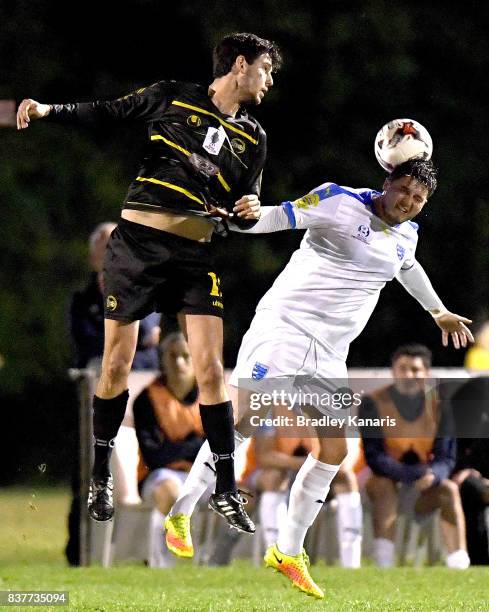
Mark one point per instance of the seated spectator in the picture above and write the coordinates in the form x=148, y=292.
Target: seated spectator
x=477, y=357
x=168, y=426
x=470, y=405
x=411, y=461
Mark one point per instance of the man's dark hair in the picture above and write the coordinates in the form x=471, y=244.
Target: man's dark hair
x=248, y=45
x=413, y=350
x=422, y=170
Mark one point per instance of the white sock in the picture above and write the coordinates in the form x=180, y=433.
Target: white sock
x=349, y=522
x=307, y=495
x=459, y=559
x=384, y=551
x=272, y=510
x=201, y=476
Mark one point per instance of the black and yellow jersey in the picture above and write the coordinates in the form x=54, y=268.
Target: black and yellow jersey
x=195, y=156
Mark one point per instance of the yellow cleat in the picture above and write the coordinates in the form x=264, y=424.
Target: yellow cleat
x=178, y=537
x=295, y=568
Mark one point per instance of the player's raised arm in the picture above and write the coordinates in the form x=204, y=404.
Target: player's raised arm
x=30, y=109
x=270, y=218
x=416, y=282
x=145, y=104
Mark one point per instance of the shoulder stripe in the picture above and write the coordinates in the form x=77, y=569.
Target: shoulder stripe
x=332, y=190
x=221, y=121
x=289, y=211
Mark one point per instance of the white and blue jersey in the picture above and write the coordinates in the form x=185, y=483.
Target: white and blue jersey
x=331, y=285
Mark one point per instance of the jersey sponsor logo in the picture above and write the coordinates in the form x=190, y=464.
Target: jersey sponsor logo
x=214, y=140
x=363, y=234
x=111, y=303
x=259, y=371
x=238, y=145
x=400, y=250
x=194, y=121
x=308, y=201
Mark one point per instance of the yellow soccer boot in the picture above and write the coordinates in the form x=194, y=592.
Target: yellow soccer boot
x=178, y=537
x=295, y=568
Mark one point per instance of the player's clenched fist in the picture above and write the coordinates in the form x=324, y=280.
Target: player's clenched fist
x=30, y=109
x=248, y=207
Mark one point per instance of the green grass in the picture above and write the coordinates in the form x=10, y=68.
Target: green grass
x=32, y=536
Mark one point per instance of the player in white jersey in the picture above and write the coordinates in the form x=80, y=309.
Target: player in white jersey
x=356, y=241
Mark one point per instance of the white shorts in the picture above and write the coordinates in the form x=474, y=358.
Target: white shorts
x=276, y=357
x=272, y=348
x=157, y=476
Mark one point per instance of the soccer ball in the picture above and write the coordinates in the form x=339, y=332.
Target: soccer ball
x=400, y=140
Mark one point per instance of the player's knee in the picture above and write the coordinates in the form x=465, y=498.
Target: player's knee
x=117, y=369
x=210, y=375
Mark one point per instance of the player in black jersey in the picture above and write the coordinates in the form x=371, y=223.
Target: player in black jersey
x=203, y=162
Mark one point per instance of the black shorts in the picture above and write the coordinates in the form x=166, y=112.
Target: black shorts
x=147, y=270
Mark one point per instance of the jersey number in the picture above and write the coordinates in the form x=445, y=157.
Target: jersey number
x=216, y=283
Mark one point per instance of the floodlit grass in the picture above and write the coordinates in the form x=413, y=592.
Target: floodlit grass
x=32, y=536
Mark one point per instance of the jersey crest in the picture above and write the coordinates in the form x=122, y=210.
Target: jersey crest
x=259, y=371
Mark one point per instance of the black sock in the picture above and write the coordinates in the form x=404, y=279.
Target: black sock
x=218, y=424
x=107, y=418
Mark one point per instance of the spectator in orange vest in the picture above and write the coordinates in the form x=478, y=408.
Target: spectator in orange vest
x=412, y=459
x=168, y=426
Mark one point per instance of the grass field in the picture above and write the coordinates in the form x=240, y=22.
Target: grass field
x=32, y=535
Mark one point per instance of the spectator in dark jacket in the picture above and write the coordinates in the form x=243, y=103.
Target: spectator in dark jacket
x=87, y=314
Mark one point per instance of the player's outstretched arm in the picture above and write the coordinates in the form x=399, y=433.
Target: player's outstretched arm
x=417, y=283
x=270, y=218
x=30, y=109
x=454, y=326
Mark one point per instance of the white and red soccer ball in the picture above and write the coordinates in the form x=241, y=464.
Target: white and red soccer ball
x=401, y=140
